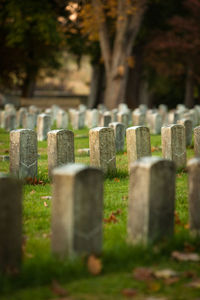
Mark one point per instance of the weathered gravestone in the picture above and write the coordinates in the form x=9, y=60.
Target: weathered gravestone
x=138, y=143
x=105, y=119
x=20, y=114
x=77, y=210
x=151, y=200
x=102, y=148
x=23, y=153
x=123, y=117
x=194, y=195
x=62, y=119
x=119, y=133
x=155, y=123
x=43, y=126
x=10, y=224
x=60, y=148
x=188, y=130
x=29, y=121
x=173, y=144
x=138, y=118
x=197, y=141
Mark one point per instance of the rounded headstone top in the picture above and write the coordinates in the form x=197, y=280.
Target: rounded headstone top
x=72, y=169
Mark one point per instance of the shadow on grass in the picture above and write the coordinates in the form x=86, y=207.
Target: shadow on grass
x=44, y=267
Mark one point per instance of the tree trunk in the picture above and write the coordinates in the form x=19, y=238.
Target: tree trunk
x=97, y=85
x=117, y=53
x=29, y=84
x=189, y=88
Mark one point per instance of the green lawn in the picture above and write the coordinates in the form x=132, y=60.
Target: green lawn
x=119, y=259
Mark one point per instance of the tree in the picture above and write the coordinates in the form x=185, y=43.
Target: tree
x=30, y=40
x=177, y=51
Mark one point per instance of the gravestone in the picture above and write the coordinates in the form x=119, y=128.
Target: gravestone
x=138, y=143
x=60, y=148
x=105, y=119
x=77, y=210
x=10, y=121
x=138, y=118
x=197, y=141
x=188, y=130
x=10, y=224
x=151, y=200
x=174, y=144
x=29, y=121
x=155, y=122
x=119, y=133
x=193, y=167
x=102, y=148
x=23, y=153
x=62, y=119
x=123, y=117
x=20, y=115
x=43, y=126
x=92, y=118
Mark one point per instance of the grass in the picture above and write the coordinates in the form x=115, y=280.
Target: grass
x=40, y=267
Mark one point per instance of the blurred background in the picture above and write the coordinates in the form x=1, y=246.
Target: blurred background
x=99, y=51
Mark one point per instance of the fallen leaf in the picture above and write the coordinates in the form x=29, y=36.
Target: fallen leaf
x=94, y=265
x=189, y=274
x=188, y=248
x=177, y=219
x=111, y=219
x=194, y=284
x=32, y=192
x=180, y=256
x=143, y=274
x=129, y=292
x=153, y=286
x=165, y=274
x=171, y=280
x=57, y=289
x=45, y=204
x=46, y=197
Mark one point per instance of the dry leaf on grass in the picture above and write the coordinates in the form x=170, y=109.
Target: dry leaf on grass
x=94, y=265
x=181, y=256
x=45, y=204
x=143, y=274
x=194, y=284
x=129, y=292
x=57, y=289
x=165, y=274
x=153, y=286
x=32, y=192
x=46, y=197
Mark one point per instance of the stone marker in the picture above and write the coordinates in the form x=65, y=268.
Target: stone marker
x=10, y=121
x=151, y=200
x=193, y=167
x=155, y=122
x=60, y=148
x=43, y=126
x=138, y=118
x=10, y=224
x=29, y=121
x=188, y=130
x=105, y=119
x=77, y=210
x=62, y=119
x=102, y=148
x=92, y=118
x=85, y=151
x=197, y=141
x=123, y=117
x=119, y=133
x=23, y=153
x=138, y=143
x=20, y=115
x=173, y=144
